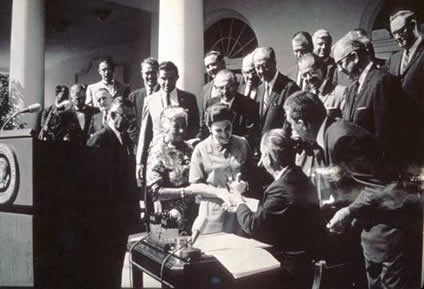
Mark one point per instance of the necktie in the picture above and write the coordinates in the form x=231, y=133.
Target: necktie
x=168, y=100
x=405, y=61
x=353, y=93
x=266, y=95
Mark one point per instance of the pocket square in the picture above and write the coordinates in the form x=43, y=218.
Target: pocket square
x=361, y=108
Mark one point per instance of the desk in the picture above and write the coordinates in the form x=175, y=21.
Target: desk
x=205, y=272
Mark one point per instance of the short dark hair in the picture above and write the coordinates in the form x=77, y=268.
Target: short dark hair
x=280, y=145
x=107, y=60
x=61, y=87
x=307, y=37
x=168, y=66
x=150, y=61
x=306, y=106
x=218, y=54
x=218, y=112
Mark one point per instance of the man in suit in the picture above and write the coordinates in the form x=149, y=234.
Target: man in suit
x=246, y=114
x=312, y=70
x=322, y=42
x=387, y=211
x=168, y=95
x=115, y=88
x=408, y=65
x=149, y=73
x=78, y=117
x=117, y=214
x=251, y=80
x=374, y=100
x=214, y=63
x=309, y=122
x=301, y=44
x=288, y=213
x=273, y=91
x=52, y=121
x=99, y=120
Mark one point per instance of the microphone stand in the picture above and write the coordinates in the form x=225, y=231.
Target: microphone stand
x=32, y=108
x=9, y=119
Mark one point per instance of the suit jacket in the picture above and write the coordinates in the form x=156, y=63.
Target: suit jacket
x=113, y=173
x=75, y=133
x=150, y=125
x=118, y=89
x=288, y=213
x=273, y=116
x=377, y=107
x=137, y=97
x=413, y=87
x=246, y=116
x=412, y=77
x=334, y=131
x=241, y=89
x=96, y=123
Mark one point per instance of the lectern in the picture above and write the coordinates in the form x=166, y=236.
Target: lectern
x=17, y=209
x=55, y=199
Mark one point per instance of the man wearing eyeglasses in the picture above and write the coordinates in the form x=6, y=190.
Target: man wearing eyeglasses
x=374, y=100
x=246, y=112
x=408, y=64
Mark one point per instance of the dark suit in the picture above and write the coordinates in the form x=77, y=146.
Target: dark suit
x=150, y=125
x=241, y=89
x=52, y=124
x=273, y=116
x=137, y=97
x=75, y=133
x=377, y=107
x=246, y=116
x=413, y=87
x=98, y=122
x=117, y=212
x=288, y=219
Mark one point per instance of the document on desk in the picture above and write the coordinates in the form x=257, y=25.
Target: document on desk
x=236, y=253
x=220, y=241
x=246, y=261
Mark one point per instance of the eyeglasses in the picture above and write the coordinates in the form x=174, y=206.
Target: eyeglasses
x=400, y=32
x=341, y=61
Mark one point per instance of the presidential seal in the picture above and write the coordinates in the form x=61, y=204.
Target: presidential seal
x=9, y=174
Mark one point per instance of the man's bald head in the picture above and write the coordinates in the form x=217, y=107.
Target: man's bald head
x=265, y=63
x=225, y=83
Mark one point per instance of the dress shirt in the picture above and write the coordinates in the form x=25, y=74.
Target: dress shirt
x=173, y=98
x=363, y=75
x=116, y=132
x=81, y=118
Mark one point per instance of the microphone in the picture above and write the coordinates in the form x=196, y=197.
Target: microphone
x=35, y=107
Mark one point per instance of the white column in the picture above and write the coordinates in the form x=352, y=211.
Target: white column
x=181, y=40
x=26, y=81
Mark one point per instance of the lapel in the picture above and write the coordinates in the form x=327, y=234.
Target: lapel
x=276, y=91
x=260, y=99
x=417, y=53
x=181, y=98
x=395, y=63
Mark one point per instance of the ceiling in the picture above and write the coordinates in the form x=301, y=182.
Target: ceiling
x=77, y=26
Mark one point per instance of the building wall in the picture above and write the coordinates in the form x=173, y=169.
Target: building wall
x=127, y=58
x=275, y=21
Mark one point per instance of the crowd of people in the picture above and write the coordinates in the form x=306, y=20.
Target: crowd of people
x=346, y=128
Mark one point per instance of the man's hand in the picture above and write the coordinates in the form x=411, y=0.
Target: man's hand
x=237, y=186
x=339, y=221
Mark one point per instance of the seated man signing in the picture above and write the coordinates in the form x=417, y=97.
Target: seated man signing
x=288, y=214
